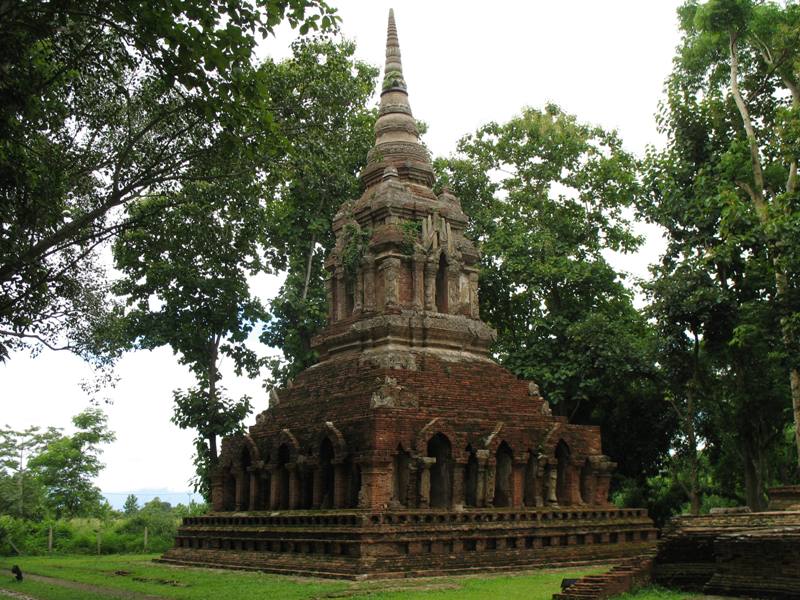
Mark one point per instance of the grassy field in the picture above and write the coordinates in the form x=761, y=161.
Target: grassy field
x=657, y=593
x=136, y=577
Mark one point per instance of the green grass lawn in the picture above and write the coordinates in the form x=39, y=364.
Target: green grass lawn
x=121, y=574
x=656, y=593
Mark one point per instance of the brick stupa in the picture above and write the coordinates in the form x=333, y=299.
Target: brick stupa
x=406, y=449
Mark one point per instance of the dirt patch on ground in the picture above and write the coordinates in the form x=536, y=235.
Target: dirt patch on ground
x=95, y=589
x=16, y=595
x=366, y=591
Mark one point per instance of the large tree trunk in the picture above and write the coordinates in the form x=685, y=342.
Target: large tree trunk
x=213, y=376
x=754, y=478
x=694, y=475
x=756, y=193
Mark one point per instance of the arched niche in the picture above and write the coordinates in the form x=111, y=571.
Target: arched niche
x=562, y=486
x=471, y=478
x=243, y=495
x=400, y=474
x=439, y=447
x=531, y=496
x=327, y=473
x=284, y=458
x=442, y=289
x=587, y=483
x=504, y=461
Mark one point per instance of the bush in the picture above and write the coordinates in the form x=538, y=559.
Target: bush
x=79, y=536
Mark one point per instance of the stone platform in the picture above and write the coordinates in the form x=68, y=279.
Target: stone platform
x=355, y=544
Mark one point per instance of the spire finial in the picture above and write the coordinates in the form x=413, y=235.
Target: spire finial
x=397, y=142
x=393, y=73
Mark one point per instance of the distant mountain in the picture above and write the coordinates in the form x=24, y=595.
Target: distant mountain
x=117, y=499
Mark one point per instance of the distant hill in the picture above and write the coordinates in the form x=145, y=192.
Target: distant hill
x=117, y=499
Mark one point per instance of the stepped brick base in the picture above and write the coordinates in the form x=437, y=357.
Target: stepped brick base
x=748, y=554
x=359, y=544
x=628, y=575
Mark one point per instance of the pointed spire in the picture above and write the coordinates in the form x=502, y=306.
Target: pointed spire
x=397, y=141
x=397, y=144
x=393, y=72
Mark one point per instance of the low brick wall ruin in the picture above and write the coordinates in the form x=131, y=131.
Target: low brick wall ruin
x=747, y=554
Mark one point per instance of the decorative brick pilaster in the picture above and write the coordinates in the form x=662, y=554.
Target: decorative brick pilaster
x=491, y=480
x=430, y=284
x=369, y=282
x=218, y=493
x=602, y=485
x=358, y=303
x=453, y=287
x=412, y=492
x=376, y=485
x=275, y=488
x=551, y=478
x=341, y=295
x=294, y=486
x=481, y=493
x=340, y=485
x=474, y=307
x=391, y=273
x=425, y=463
x=418, y=282
x=518, y=484
x=253, y=499
x=459, y=470
x=240, y=500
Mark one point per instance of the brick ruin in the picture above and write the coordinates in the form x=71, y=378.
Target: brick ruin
x=406, y=449
x=756, y=555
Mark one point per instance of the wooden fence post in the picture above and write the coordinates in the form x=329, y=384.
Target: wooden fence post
x=145, y=538
x=50, y=538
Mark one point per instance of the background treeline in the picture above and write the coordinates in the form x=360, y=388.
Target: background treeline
x=154, y=132
x=150, y=528
x=48, y=501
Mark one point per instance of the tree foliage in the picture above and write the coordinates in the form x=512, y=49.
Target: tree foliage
x=67, y=465
x=329, y=139
x=547, y=196
x=102, y=104
x=188, y=257
x=131, y=506
x=725, y=293
x=21, y=493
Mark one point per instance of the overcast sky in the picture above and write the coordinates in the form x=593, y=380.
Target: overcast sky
x=466, y=63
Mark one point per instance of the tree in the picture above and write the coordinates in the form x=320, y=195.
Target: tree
x=747, y=54
x=131, y=506
x=67, y=465
x=329, y=140
x=717, y=290
x=187, y=261
x=20, y=492
x=547, y=195
x=102, y=104
x=683, y=304
x=186, y=270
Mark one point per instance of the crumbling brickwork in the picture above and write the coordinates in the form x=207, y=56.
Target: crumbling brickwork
x=406, y=413
x=733, y=554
